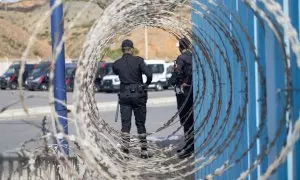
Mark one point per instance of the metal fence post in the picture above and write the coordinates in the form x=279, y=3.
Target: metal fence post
x=57, y=31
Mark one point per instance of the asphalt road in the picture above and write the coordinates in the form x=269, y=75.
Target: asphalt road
x=14, y=132
x=8, y=97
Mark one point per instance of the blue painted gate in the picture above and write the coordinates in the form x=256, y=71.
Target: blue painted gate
x=247, y=95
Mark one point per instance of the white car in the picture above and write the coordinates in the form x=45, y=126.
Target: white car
x=110, y=83
x=160, y=72
x=159, y=69
x=170, y=70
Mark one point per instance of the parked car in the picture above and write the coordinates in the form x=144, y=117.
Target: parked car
x=70, y=76
x=39, y=78
x=159, y=69
x=111, y=82
x=170, y=70
x=99, y=75
x=10, y=78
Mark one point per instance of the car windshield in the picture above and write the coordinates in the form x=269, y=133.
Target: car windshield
x=109, y=69
x=40, y=69
x=170, y=69
x=12, y=70
x=156, y=68
x=36, y=72
x=69, y=71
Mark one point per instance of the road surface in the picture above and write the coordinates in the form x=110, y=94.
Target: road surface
x=7, y=97
x=14, y=132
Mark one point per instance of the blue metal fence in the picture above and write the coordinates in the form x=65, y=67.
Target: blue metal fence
x=259, y=82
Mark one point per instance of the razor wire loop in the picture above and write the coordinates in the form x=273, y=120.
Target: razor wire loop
x=95, y=143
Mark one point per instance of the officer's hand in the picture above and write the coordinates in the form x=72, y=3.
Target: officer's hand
x=184, y=85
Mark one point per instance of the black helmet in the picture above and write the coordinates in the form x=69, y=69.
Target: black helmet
x=127, y=43
x=184, y=43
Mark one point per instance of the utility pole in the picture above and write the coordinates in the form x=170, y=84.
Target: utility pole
x=57, y=31
x=146, y=43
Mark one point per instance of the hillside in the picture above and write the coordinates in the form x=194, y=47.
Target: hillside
x=19, y=20
x=22, y=18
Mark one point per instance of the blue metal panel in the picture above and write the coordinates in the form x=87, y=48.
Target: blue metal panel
x=295, y=16
x=251, y=123
x=234, y=109
x=261, y=90
x=235, y=103
x=249, y=129
x=199, y=111
x=239, y=93
x=276, y=101
x=223, y=83
x=272, y=67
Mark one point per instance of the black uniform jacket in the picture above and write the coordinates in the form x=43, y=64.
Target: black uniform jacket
x=130, y=70
x=185, y=68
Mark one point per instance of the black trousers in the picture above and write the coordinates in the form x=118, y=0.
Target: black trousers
x=133, y=102
x=186, y=116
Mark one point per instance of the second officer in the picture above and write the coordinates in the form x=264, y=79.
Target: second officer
x=133, y=95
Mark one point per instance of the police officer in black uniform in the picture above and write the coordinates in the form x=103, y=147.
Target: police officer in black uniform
x=182, y=80
x=133, y=94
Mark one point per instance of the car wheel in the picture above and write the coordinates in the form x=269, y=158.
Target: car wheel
x=3, y=88
x=159, y=87
x=44, y=87
x=13, y=86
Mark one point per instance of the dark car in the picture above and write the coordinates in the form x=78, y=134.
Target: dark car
x=107, y=70
x=101, y=72
x=39, y=78
x=10, y=78
x=70, y=76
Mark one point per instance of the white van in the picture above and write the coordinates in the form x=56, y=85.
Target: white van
x=159, y=69
x=170, y=70
x=110, y=82
x=160, y=72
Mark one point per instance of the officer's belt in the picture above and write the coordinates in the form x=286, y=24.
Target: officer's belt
x=130, y=87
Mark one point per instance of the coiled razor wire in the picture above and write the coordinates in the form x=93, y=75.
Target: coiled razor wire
x=95, y=144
